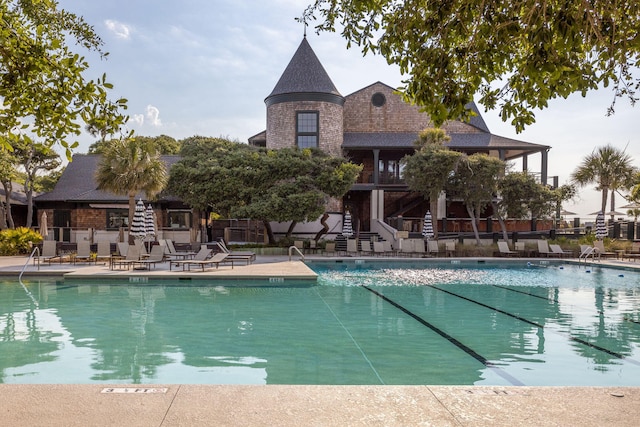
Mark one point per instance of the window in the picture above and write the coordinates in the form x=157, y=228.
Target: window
x=378, y=99
x=307, y=129
x=179, y=219
x=391, y=171
x=117, y=218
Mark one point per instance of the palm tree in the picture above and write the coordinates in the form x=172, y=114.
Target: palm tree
x=129, y=166
x=609, y=168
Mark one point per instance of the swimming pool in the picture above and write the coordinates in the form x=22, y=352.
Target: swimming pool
x=362, y=323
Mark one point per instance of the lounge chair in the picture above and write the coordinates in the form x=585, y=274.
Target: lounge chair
x=83, y=252
x=155, y=256
x=599, y=244
x=432, y=248
x=123, y=247
x=450, y=248
x=543, y=249
x=378, y=248
x=132, y=257
x=49, y=253
x=406, y=247
x=217, y=259
x=173, y=253
x=521, y=248
x=634, y=253
x=388, y=248
x=503, y=247
x=352, y=247
x=202, y=255
x=246, y=256
x=330, y=248
x=556, y=249
x=365, y=247
x=104, y=251
x=418, y=247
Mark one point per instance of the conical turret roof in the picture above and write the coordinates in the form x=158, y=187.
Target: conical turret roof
x=304, y=75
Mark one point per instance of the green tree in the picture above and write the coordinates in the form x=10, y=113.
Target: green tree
x=8, y=175
x=522, y=196
x=47, y=182
x=33, y=157
x=475, y=181
x=429, y=168
x=129, y=166
x=609, y=168
x=164, y=144
x=236, y=180
x=516, y=54
x=42, y=84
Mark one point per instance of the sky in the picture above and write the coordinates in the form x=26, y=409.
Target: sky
x=203, y=67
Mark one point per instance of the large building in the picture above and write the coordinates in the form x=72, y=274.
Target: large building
x=374, y=127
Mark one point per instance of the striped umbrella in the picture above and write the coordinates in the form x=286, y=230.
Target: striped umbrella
x=138, y=228
x=347, y=226
x=427, y=226
x=149, y=222
x=601, y=227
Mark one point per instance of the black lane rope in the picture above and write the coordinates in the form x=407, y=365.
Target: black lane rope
x=572, y=338
x=449, y=338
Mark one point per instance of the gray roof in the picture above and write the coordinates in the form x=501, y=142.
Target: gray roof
x=459, y=141
x=18, y=196
x=304, y=74
x=77, y=183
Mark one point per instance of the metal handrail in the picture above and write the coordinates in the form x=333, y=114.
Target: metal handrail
x=291, y=248
x=36, y=249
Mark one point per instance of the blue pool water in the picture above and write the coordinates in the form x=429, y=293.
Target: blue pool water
x=362, y=323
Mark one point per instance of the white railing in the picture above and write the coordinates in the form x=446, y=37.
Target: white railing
x=291, y=249
x=36, y=249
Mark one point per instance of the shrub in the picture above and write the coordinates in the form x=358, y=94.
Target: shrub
x=18, y=241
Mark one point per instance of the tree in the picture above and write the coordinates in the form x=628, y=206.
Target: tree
x=609, y=168
x=516, y=54
x=236, y=180
x=429, y=168
x=164, y=144
x=42, y=83
x=475, y=181
x=129, y=166
x=521, y=196
x=8, y=176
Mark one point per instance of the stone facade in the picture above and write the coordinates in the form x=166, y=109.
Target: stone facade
x=281, y=125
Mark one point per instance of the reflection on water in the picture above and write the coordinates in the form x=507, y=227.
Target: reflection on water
x=446, y=326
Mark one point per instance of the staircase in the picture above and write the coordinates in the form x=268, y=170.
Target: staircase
x=341, y=241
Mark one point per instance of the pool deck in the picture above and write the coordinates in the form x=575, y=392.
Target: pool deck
x=294, y=405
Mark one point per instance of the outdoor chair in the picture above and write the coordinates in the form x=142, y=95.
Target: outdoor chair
x=432, y=248
x=543, y=249
x=418, y=247
x=202, y=255
x=246, y=256
x=365, y=247
x=49, y=253
x=406, y=247
x=155, y=256
x=556, y=249
x=633, y=253
x=352, y=247
x=217, y=259
x=132, y=257
x=599, y=244
x=83, y=252
x=503, y=247
x=450, y=248
x=388, y=248
x=587, y=251
x=378, y=248
x=104, y=251
x=330, y=248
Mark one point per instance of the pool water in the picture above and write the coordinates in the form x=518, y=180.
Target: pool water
x=360, y=324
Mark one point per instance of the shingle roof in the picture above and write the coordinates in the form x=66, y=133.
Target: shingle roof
x=304, y=74
x=401, y=140
x=77, y=183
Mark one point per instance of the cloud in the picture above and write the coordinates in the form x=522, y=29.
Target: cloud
x=138, y=119
x=122, y=31
x=153, y=114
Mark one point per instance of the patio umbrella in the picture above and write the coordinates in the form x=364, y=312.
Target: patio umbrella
x=347, y=226
x=633, y=205
x=138, y=229
x=565, y=212
x=44, y=229
x=427, y=226
x=601, y=227
x=149, y=224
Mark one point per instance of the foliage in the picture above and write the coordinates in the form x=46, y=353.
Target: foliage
x=516, y=54
x=42, y=83
x=237, y=180
x=609, y=168
x=46, y=183
x=475, y=181
x=522, y=195
x=129, y=166
x=164, y=144
x=429, y=168
x=18, y=241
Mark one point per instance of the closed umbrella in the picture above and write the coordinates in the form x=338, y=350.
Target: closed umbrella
x=138, y=229
x=44, y=228
x=601, y=227
x=149, y=224
x=427, y=226
x=347, y=226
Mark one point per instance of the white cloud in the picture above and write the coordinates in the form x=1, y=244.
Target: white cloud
x=153, y=114
x=122, y=31
x=138, y=119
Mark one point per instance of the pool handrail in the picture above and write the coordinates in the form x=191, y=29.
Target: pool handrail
x=35, y=249
x=291, y=249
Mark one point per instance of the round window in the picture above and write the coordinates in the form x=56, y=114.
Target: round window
x=378, y=99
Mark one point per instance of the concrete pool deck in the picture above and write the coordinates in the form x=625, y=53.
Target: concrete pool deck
x=284, y=405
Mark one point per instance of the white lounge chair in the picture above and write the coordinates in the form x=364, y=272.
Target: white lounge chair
x=556, y=249
x=543, y=249
x=217, y=259
x=49, y=253
x=83, y=252
x=503, y=247
x=432, y=248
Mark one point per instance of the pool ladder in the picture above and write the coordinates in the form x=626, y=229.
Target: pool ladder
x=295, y=248
x=36, y=249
